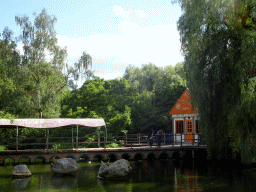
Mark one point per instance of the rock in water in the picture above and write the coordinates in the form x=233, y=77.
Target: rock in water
x=64, y=166
x=118, y=168
x=21, y=170
x=103, y=166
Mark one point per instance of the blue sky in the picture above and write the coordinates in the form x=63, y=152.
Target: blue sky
x=115, y=33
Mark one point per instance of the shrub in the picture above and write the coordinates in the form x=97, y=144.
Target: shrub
x=112, y=145
x=2, y=148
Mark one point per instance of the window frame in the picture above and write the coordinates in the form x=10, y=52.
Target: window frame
x=179, y=126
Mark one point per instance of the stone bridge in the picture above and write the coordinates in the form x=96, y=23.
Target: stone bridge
x=106, y=154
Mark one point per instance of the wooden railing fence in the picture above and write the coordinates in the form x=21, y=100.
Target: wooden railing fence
x=128, y=140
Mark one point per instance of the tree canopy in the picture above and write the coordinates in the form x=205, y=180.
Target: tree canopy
x=218, y=42
x=39, y=83
x=43, y=65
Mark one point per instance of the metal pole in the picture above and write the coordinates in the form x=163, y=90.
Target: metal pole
x=106, y=133
x=17, y=134
x=47, y=139
x=72, y=138
x=99, y=141
x=76, y=137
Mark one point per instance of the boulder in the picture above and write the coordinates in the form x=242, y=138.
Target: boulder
x=64, y=166
x=103, y=166
x=21, y=171
x=119, y=168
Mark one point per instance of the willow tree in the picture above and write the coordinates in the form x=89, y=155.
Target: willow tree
x=43, y=65
x=218, y=43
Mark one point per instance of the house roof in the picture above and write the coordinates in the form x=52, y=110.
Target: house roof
x=51, y=123
x=183, y=105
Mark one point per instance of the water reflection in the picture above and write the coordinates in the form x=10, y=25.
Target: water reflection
x=186, y=180
x=21, y=183
x=64, y=183
x=116, y=185
x=155, y=175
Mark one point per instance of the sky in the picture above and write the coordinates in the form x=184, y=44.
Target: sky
x=115, y=33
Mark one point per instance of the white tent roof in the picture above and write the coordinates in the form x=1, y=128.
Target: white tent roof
x=52, y=123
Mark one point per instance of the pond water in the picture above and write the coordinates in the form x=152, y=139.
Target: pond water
x=155, y=175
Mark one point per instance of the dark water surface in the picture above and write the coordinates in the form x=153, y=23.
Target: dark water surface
x=156, y=175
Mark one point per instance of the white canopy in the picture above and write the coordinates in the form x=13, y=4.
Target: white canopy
x=52, y=123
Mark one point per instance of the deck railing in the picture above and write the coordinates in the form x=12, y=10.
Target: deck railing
x=129, y=140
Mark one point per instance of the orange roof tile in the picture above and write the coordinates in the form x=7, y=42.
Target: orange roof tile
x=183, y=105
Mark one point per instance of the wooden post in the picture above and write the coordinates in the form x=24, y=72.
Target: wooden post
x=131, y=140
x=139, y=138
x=164, y=138
x=125, y=140
x=104, y=142
x=17, y=135
x=76, y=137
x=99, y=141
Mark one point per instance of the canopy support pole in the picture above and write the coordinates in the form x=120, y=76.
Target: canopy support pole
x=76, y=137
x=72, y=138
x=106, y=134
x=17, y=139
x=47, y=139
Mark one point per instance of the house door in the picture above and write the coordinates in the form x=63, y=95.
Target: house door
x=189, y=127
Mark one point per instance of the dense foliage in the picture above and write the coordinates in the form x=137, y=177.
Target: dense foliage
x=136, y=103
x=32, y=84
x=40, y=84
x=218, y=42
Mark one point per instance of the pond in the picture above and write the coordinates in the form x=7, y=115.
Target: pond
x=154, y=175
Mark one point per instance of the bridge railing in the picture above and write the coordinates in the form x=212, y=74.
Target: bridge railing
x=128, y=140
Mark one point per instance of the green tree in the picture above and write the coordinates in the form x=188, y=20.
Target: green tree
x=9, y=67
x=159, y=90
x=43, y=65
x=143, y=78
x=218, y=42
x=102, y=99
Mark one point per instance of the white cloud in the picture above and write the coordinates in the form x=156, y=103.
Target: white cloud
x=157, y=44
x=128, y=26
x=108, y=76
x=141, y=13
x=118, y=10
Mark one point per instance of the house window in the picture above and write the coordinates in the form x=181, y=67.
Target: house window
x=197, y=127
x=179, y=127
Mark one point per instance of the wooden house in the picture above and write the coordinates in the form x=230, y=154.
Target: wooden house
x=185, y=120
